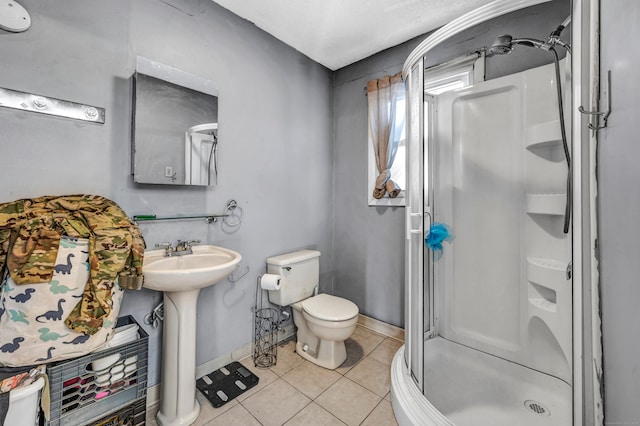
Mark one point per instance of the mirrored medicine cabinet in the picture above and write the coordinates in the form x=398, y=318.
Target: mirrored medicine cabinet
x=175, y=126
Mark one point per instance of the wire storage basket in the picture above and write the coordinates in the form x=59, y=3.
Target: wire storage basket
x=265, y=333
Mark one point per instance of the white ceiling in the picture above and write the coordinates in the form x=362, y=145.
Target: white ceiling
x=337, y=33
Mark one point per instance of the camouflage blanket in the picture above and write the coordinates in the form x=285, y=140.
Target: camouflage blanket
x=30, y=231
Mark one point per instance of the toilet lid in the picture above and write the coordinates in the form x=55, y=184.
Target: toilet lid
x=330, y=308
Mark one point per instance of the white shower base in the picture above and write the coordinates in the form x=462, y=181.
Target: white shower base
x=466, y=387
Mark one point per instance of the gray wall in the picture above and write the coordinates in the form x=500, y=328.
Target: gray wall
x=275, y=137
x=619, y=211
x=368, y=242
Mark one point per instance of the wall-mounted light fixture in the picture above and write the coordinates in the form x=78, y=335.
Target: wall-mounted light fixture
x=24, y=101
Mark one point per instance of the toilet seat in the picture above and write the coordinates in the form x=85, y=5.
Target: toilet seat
x=326, y=307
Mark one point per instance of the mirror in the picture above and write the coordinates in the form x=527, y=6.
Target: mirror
x=175, y=126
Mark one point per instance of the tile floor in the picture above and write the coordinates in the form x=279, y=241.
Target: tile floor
x=297, y=392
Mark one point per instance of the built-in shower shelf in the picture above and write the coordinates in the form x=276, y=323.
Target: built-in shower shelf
x=543, y=135
x=550, y=204
x=543, y=304
x=547, y=272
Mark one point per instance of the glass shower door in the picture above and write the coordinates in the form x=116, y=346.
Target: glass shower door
x=418, y=268
x=414, y=210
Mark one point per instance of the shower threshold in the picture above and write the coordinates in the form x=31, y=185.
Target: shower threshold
x=472, y=388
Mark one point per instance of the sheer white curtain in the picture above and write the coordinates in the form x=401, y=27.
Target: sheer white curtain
x=385, y=129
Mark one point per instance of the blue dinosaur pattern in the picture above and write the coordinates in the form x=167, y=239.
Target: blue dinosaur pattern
x=46, y=335
x=23, y=297
x=64, y=268
x=78, y=340
x=49, y=354
x=19, y=306
x=6, y=288
x=57, y=288
x=18, y=316
x=12, y=347
x=53, y=315
x=69, y=243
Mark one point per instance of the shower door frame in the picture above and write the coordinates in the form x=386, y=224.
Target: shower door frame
x=414, y=222
x=587, y=336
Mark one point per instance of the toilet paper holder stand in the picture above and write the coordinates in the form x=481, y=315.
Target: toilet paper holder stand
x=265, y=331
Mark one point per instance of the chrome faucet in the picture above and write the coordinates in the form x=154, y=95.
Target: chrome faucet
x=182, y=248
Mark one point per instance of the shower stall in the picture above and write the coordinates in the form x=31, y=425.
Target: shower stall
x=491, y=321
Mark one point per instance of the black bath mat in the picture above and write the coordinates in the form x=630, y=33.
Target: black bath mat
x=228, y=382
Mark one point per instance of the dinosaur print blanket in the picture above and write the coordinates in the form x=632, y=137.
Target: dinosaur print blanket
x=30, y=231
x=32, y=326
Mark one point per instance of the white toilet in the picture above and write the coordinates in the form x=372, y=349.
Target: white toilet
x=324, y=322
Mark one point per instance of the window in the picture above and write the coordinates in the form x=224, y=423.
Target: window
x=386, y=140
x=455, y=74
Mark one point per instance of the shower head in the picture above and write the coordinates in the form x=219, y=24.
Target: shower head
x=503, y=44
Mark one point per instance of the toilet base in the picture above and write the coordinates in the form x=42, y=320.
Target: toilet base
x=331, y=354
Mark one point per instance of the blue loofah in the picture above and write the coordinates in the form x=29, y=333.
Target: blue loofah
x=438, y=232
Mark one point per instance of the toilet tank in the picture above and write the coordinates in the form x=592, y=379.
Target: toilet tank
x=300, y=272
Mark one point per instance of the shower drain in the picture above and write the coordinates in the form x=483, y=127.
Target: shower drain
x=537, y=407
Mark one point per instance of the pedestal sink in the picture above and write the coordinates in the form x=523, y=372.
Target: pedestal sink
x=181, y=278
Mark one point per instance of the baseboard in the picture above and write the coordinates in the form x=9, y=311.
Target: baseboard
x=381, y=327
x=153, y=395
x=153, y=392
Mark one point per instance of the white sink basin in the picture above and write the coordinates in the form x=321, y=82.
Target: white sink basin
x=181, y=278
x=207, y=265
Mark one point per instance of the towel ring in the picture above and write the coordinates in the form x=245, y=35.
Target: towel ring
x=231, y=212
